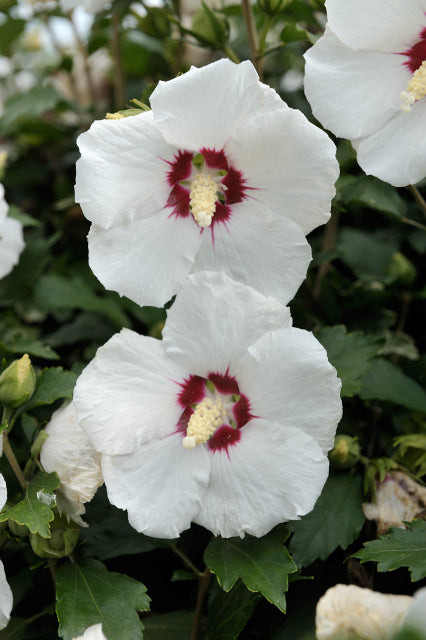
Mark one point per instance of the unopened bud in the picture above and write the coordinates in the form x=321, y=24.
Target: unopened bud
x=401, y=269
x=345, y=453
x=272, y=7
x=64, y=537
x=18, y=530
x=17, y=383
x=210, y=27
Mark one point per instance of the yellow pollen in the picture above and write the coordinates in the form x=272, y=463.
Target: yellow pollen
x=202, y=199
x=207, y=417
x=416, y=88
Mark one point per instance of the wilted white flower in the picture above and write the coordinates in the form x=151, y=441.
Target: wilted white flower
x=67, y=451
x=225, y=422
x=399, y=499
x=92, y=633
x=11, y=238
x=366, y=81
x=6, y=597
x=221, y=175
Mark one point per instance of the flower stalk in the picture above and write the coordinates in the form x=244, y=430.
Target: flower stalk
x=253, y=38
x=203, y=585
x=11, y=458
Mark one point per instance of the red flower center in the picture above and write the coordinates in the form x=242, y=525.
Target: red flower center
x=217, y=385
x=417, y=53
x=231, y=184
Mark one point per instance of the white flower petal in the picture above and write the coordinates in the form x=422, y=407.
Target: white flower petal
x=259, y=249
x=214, y=319
x=382, y=25
x=348, y=612
x=288, y=379
x=11, y=245
x=3, y=492
x=396, y=153
x=415, y=619
x=68, y=451
x=122, y=173
x=271, y=475
x=127, y=394
x=161, y=485
x=146, y=260
x=202, y=107
x=6, y=598
x=351, y=92
x=92, y=633
x=289, y=164
x=4, y=207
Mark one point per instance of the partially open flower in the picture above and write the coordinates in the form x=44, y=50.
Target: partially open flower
x=348, y=612
x=6, y=597
x=221, y=175
x=399, y=499
x=11, y=238
x=366, y=81
x=225, y=422
x=68, y=452
x=92, y=633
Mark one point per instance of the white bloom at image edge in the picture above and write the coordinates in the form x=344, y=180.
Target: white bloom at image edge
x=6, y=597
x=91, y=6
x=225, y=422
x=366, y=80
x=68, y=451
x=221, y=175
x=11, y=238
x=92, y=633
x=348, y=612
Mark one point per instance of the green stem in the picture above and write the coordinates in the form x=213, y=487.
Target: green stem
x=330, y=236
x=87, y=70
x=203, y=585
x=11, y=458
x=413, y=223
x=253, y=39
x=418, y=198
x=264, y=33
x=119, y=93
x=231, y=54
x=185, y=560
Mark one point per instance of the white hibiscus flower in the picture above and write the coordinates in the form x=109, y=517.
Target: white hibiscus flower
x=366, y=81
x=6, y=597
x=225, y=422
x=68, y=452
x=348, y=612
x=11, y=238
x=219, y=150
x=92, y=633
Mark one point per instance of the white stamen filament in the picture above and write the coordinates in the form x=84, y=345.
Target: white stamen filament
x=207, y=417
x=416, y=88
x=202, y=199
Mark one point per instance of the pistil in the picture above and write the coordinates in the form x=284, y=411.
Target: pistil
x=202, y=199
x=416, y=88
x=207, y=417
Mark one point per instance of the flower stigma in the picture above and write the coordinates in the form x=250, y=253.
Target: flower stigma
x=202, y=199
x=208, y=415
x=416, y=88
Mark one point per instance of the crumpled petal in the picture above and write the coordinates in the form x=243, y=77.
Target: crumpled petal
x=126, y=395
x=348, y=612
x=11, y=239
x=381, y=25
x=92, y=633
x=214, y=320
x=68, y=451
x=3, y=492
x=271, y=475
x=6, y=598
x=161, y=485
x=415, y=620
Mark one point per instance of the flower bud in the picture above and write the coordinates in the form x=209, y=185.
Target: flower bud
x=17, y=383
x=211, y=27
x=18, y=530
x=345, y=453
x=272, y=7
x=401, y=269
x=64, y=536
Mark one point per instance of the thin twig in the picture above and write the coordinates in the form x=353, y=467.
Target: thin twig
x=8, y=452
x=203, y=585
x=86, y=64
x=330, y=235
x=253, y=39
x=119, y=83
x=52, y=568
x=413, y=223
x=419, y=198
x=186, y=560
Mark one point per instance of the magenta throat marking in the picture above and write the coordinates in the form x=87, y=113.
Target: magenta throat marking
x=417, y=53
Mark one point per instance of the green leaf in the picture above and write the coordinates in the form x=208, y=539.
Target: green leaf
x=385, y=381
x=27, y=106
x=228, y=613
x=34, y=510
x=53, y=383
x=399, y=548
x=263, y=564
x=169, y=626
x=373, y=193
x=15, y=629
x=398, y=344
x=350, y=353
x=335, y=521
x=367, y=253
x=294, y=33
x=9, y=32
x=87, y=593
